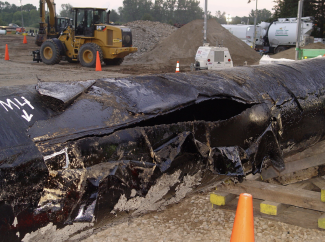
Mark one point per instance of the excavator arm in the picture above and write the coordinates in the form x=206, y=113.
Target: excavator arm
x=49, y=28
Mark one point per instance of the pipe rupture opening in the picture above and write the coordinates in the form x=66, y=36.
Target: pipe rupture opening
x=210, y=110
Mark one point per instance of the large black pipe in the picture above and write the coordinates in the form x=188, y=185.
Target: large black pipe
x=72, y=152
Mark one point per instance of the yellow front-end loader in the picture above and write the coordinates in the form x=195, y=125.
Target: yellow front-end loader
x=91, y=32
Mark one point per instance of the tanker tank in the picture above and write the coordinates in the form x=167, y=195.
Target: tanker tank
x=281, y=34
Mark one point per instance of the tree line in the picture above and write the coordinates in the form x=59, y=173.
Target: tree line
x=173, y=11
x=314, y=8
x=165, y=11
x=11, y=13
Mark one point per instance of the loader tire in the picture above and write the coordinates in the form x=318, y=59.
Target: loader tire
x=87, y=54
x=50, y=52
x=115, y=62
x=279, y=49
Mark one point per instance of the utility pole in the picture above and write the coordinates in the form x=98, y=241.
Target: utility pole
x=300, y=6
x=205, y=22
x=21, y=10
x=255, y=20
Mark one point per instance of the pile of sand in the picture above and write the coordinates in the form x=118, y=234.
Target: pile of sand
x=291, y=53
x=146, y=35
x=182, y=45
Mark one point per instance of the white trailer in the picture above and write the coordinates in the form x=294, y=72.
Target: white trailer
x=239, y=30
x=212, y=58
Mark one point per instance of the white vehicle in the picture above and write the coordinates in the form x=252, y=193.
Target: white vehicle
x=319, y=40
x=239, y=30
x=281, y=34
x=275, y=37
x=212, y=58
x=261, y=30
x=246, y=32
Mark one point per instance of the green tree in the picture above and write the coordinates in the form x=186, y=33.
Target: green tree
x=263, y=15
x=2, y=22
x=114, y=16
x=28, y=7
x=316, y=8
x=2, y=6
x=66, y=10
x=240, y=20
x=6, y=17
x=187, y=10
x=16, y=18
x=158, y=10
x=135, y=9
x=221, y=17
x=34, y=18
x=11, y=8
x=144, y=7
x=147, y=16
x=169, y=9
x=289, y=8
x=12, y=14
x=120, y=12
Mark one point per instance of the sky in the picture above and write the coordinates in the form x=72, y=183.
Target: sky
x=233, y=7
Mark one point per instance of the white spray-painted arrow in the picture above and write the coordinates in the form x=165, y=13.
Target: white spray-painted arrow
x=27, y=116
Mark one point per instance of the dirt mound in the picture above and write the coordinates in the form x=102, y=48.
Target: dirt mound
x=183, y=43
x=314, y=46
x=291, y=53
x=146, y=34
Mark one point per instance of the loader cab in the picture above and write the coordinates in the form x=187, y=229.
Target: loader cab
x=62, y=23
x=87, y=18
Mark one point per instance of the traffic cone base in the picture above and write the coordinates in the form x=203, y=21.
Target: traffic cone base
x=243, y=229
x=6, y=53
x=98, y=64
x=25, y=40
x=177, y=67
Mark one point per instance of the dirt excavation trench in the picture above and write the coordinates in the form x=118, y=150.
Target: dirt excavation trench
x=160, y=134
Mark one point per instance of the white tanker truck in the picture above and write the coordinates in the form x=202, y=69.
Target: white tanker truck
x=275, y=37
x=281, y=34
x=239, y=30
x=246, y=32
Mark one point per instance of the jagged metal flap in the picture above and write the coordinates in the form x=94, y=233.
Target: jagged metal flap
x=63, y=91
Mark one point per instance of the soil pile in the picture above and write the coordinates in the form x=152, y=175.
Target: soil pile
x=182, y=45
x=146, y=34
x=291, y=53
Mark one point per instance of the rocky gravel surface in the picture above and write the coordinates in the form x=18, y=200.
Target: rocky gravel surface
x=146, y=34
x=194, y=219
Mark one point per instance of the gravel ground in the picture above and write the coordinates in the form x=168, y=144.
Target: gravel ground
x=194, y=219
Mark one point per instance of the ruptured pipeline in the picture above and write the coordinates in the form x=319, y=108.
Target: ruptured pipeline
x=77, y=153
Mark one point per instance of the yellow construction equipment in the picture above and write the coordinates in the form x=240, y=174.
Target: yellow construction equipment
x=87, y=33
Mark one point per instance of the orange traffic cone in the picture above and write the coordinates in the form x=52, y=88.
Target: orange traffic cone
x=6, y=53
x=243, y=229
x=25, y=40
x=98, y=65
x=177, y=67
